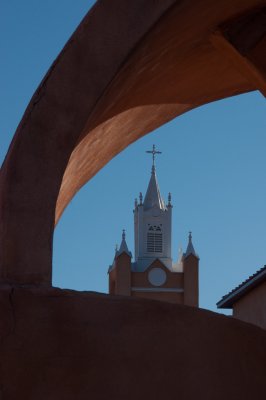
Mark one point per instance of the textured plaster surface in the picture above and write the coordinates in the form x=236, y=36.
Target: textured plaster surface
x=252, y=306
x=60, y=344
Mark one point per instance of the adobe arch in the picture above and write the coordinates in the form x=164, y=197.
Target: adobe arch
x=120, y=76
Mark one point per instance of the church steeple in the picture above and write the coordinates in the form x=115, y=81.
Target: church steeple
x=153, y=221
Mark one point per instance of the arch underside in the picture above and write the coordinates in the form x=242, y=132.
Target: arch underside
x=120, y=76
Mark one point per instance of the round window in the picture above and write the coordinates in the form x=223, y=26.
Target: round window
x=157, y=276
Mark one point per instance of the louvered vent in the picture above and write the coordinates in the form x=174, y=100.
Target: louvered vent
x=154, y=240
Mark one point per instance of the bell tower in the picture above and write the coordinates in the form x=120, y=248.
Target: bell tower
x=152, y=224
x=153, y=274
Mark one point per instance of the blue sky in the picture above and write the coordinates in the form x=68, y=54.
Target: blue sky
x=213, y=163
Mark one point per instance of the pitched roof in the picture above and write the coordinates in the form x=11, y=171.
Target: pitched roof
x=254, y=280
x=153, y=195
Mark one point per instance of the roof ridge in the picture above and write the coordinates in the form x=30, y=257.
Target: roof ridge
x=242, y=284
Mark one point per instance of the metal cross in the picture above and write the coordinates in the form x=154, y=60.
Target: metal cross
x=153, y=152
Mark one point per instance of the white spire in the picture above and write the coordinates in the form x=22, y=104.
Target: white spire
x=190, y=247
x=123, y=246
x=153, y=195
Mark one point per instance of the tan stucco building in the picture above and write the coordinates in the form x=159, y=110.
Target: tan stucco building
x=153, y=274
x=248, y=300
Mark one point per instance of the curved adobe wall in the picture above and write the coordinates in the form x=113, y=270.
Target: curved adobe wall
x=121, y=75
x=64, y=345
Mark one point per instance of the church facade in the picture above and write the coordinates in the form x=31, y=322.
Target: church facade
x=153, y=274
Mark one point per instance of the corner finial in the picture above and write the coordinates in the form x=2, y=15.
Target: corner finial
x=169, y=199
x=123, y=246
x=153, y=152
x=140, y=198
x=190, y=247
x=136, y=203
